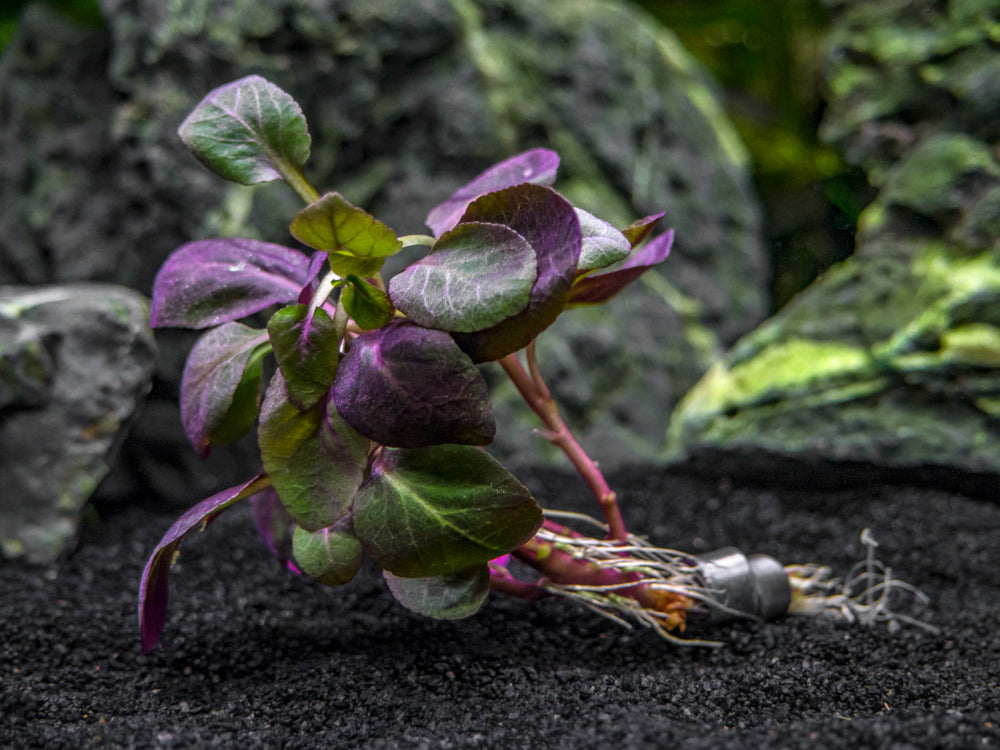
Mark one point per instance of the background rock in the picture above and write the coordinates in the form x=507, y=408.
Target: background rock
x=892, y=359
x=83, y=360
x=406, y=101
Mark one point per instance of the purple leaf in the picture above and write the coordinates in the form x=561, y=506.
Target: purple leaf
x=220, y=388
x=408, y=386
x=477, y=275
x=312, y=284
x=153, y=588
x=209, y=282
x=600, y=287
x=275, y=525
x=316, y=462
x=550, y=225
x=537, y=166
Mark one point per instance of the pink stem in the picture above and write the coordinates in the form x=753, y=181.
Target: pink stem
x=534, y=391
x=501, y=580
x=560, y=566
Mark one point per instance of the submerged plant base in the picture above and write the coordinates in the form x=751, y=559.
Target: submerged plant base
x=635, y=582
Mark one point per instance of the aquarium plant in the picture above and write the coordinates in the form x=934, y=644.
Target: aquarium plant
x=373, y=423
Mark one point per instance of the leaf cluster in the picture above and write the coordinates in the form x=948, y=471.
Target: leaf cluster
x=374, y=411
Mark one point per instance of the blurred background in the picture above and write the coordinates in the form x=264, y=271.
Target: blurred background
x=766, y=57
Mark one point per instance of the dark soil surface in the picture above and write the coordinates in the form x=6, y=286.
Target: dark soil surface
x=255, y=657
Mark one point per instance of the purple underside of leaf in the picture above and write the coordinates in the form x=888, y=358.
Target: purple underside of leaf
x=316, y=262
x=215, y=370
x=275, y=525
x=550, y=225
x=476, y=276
x=600, y=287
x=208, y=282
x=536, y=166
x=154, y=586
x=408, y=386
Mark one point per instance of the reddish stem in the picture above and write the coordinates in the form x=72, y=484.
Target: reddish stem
x=501, y=580
x=560, y=566
x=537, y=395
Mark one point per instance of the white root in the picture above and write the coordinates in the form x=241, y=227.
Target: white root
x=869, y=595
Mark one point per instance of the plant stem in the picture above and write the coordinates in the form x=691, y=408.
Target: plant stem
x=340, y=320
x=410, y=240
x=618, y=583
x=532, y=388
x=503, y=582
x=323, y=290
x=298, y=182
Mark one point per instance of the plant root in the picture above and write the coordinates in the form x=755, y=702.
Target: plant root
x=632, y=582
x=869, y=594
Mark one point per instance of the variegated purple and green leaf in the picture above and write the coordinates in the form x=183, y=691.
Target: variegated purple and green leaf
x=537, y=166
x=248, y=131
x=550, y=225
x=641, y=229
x=208, y=282
x=448, y=597
x=331, y=556
x=600, y=287
x=221, y=384
x=307, y=348
x=440, y=510
x=476, y=276
x=602, y=245
x=408, y=386
x=314, y=459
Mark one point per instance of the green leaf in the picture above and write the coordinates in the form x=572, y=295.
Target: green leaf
x=307, y=348
x=602, y=244
x=476, y=276
x=439, y=510
x=248, y=131
x=314, y=459
x=449, y=597
x=355, y=240
x=330, y=556
x=367, y=305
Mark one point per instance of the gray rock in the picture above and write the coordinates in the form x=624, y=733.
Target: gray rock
x=406, y=101
x=88, y=360
x=891, y=361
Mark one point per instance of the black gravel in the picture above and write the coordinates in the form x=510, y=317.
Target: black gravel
x=258, y=658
